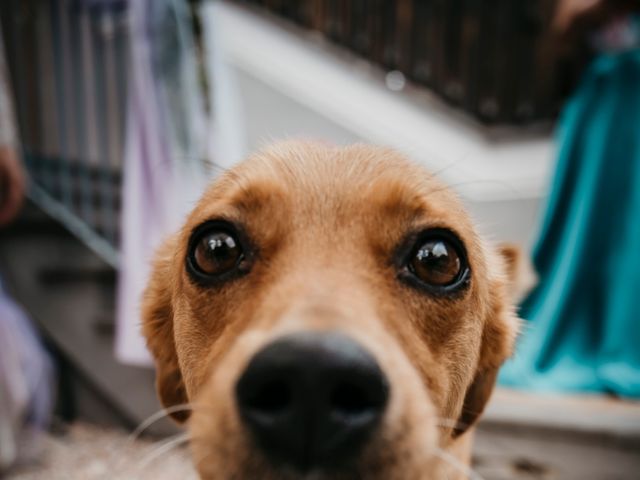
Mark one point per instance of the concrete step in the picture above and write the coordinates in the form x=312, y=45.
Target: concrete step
x=70, y=294
x=558, y=437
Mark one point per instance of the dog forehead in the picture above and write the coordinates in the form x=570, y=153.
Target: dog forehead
x=318, y=180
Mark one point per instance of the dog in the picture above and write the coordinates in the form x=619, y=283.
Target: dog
x=329, y=312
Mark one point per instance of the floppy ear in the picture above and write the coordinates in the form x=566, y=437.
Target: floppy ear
x=498, y=337
x=518, y=270
x=157, y=327
x=475, y=400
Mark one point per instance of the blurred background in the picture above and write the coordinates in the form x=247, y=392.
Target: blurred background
x=115, y=115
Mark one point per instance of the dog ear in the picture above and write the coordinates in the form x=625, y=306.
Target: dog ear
x=500, y=331
x=497, y=344
x=518, y=270
x=475, y=400
x=157, y=327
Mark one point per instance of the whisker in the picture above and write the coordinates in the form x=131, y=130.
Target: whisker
x=455, y=463
x=163, y=448
x=454, y=163
x=449, y=423
x=159, y=415
x=454, y=186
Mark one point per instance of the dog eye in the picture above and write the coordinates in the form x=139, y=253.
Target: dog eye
x=216, y=252
x=437, y=262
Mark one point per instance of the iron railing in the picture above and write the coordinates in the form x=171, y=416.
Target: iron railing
x=495, y=59
x=68, y=65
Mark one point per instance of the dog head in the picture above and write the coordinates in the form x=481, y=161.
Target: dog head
x=328, y=311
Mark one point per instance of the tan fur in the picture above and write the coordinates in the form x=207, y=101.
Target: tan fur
x=326, y=221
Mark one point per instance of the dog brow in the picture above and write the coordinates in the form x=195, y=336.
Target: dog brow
x=251, y=196
x=399, y=202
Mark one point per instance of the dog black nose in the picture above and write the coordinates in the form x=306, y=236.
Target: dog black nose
x=312, y=400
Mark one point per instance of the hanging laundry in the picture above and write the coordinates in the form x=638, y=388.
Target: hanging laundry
x=165, y=147
x=584, y=316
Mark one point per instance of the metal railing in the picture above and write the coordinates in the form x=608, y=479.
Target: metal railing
x=68, y=65
x=494, y=59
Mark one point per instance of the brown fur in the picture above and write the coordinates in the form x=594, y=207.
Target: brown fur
x=326, y=221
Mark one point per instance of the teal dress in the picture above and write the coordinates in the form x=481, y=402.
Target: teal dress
x=582, y=332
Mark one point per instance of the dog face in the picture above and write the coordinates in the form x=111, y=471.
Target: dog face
x=330, y=312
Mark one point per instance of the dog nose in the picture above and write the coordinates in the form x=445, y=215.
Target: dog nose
x=312, y=400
